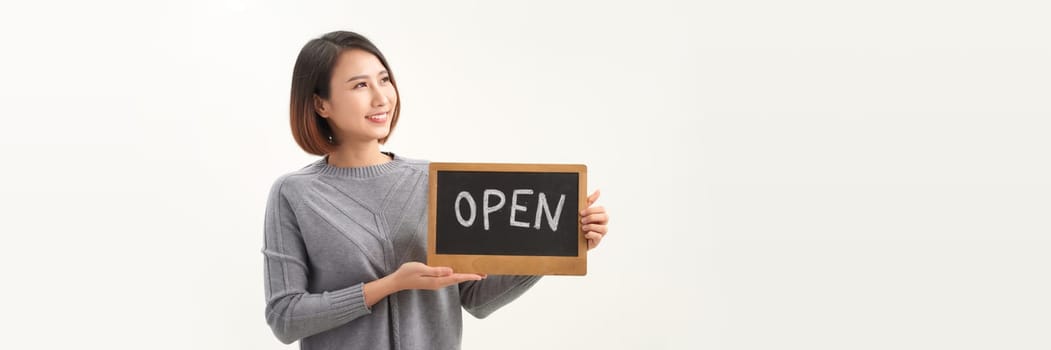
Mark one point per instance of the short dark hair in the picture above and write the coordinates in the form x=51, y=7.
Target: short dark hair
x=312, y=75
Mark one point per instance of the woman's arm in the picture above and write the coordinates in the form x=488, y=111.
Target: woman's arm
x=293, y=313
x=481, y=298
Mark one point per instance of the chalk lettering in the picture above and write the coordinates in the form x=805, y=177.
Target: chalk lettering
x=470, y=202
x=487, y=209
x=542, y=207
x=515, y=207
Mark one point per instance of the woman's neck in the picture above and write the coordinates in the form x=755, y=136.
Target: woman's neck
x=357, y=155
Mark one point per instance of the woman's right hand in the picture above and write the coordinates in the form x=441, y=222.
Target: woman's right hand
x=415, y=275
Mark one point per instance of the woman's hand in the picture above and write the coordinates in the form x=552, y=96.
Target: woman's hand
x=594, y=219
x=415, y=275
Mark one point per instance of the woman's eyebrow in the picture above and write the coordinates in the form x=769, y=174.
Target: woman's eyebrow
x=364, y=76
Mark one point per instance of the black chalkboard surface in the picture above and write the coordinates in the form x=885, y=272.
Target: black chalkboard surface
x=507, y=218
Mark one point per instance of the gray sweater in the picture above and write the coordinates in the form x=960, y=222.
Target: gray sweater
x=329, y=230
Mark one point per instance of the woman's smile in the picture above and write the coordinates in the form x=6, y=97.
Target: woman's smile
x=380, y=118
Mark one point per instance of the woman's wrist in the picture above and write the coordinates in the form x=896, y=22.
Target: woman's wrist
x=377, y=290
x=392, y=283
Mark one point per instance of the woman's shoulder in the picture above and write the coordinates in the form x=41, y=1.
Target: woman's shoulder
x=301, y=175
x=411, y=162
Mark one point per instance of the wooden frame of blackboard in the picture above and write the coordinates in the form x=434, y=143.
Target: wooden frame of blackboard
x=508, y=264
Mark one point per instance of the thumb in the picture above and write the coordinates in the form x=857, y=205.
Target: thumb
x=594, y=197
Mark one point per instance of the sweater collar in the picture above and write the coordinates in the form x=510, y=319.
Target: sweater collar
x=359, y=172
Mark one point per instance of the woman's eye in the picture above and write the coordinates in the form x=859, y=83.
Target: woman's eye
x=386, y=79
x=359, y=85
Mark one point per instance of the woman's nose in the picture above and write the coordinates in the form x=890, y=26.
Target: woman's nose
x=379, y=98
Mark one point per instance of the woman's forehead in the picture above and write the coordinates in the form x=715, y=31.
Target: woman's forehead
x=357, y=62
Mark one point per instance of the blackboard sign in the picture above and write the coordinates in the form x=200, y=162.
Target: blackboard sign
x=520, y=219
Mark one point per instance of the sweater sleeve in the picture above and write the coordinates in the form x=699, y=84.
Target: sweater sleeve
x=481, y=298
x=291, y=311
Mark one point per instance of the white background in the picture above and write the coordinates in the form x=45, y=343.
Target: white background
x=780, y=174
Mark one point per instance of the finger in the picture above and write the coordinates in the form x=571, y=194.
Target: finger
x=598, y=218
x=601, y=229
x=437, y=271
x=593, y=239
x=592, y=210
x=465, y=276
x=593, y=236
x=593, y=197
x=593, y=243
x=457, y=278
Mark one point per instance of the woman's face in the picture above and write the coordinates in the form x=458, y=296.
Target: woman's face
x=362, y=98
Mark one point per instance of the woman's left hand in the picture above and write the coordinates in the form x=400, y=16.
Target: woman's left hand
x=594, y=219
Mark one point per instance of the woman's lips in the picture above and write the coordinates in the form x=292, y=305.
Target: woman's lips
x=378, y=118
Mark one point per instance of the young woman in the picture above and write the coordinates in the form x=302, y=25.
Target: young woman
x=345, y=234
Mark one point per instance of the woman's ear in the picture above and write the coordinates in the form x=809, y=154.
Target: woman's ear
x=321, y=106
